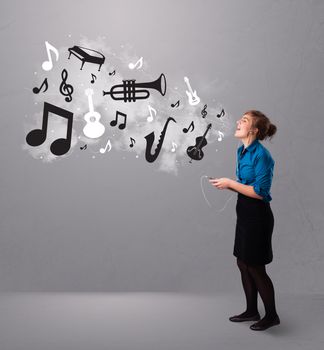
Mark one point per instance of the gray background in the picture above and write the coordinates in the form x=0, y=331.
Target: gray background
x=122, y=226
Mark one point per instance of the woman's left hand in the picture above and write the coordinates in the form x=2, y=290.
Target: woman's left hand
x=221, y=183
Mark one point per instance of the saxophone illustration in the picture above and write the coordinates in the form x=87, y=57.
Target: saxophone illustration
x=149, y=142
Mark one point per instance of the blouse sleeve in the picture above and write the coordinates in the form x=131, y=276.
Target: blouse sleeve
x=263, y=176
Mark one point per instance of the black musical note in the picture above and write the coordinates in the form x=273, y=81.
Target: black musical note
x=36, y=90
x=66, y=89
x=132, y=142
x=37, y=136
x=112, y=73
x=175, y=104
x=222, y=113
x=84, y=147
x=204, y=112
x=93, y=78
x=185, y=130
x=195, y=152
x=122, y=125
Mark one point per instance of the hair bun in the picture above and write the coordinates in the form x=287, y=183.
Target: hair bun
x=272, y=130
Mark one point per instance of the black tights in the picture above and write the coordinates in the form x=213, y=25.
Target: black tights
x=254, y=280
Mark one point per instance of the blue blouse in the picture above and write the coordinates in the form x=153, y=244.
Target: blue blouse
x=254, y=167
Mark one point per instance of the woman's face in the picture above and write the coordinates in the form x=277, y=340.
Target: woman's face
x=244, y=127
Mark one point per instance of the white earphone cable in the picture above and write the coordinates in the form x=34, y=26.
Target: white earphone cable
x=203, y=192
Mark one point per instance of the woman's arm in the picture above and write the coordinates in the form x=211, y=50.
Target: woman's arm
x=235, y=186
x=247, y=190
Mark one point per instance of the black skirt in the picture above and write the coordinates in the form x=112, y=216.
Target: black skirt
x=253, y=233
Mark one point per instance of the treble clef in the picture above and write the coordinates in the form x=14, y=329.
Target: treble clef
x=66, y=89
x=204, y=112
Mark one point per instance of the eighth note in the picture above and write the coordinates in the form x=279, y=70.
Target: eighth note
x=185, y=130
x=103, y=150
x=93, y=78
x=112, y=73
x=137, y=65
x=122, y=125
x=36, y=90
x=48, y=65
x=222, y=113
x=132, y=142
x=175, y=104
x=151, y=109
x=174, y=146
x=84, y=147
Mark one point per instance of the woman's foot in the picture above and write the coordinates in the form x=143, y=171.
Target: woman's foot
x=246, y=316
x=265, y=323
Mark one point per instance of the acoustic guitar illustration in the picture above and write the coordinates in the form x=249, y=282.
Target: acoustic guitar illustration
x=195, y=152
x=93, y=128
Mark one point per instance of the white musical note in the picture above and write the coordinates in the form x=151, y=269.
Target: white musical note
x=103, y=150
x=138, y=64
x=48, y=65
x=220, y=135
x=174, y=146
x=151, y=109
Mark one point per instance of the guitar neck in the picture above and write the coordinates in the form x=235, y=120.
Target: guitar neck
x=188, y=85
x=90, y=103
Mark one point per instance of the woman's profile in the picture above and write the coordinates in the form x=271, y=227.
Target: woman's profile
x=255, y=221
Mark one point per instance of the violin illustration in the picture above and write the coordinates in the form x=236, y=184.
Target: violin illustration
x=195, y=152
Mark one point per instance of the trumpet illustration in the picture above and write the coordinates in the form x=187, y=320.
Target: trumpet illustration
x=129, y=91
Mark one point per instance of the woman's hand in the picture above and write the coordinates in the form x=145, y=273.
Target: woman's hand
x=221, y=183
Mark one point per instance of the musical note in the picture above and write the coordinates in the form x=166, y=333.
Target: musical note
x=204, y=112
x=112, y=73
x=222, y=113
x=103, y=150
x=36, y=90
x=185, y=130
x=48, y=65
x=174, y=146
x=38, y=136
x=122, y=125
x=84, y=147
x=138, y=64
x=220, y=135
x=93, y=78
x=132, y=142
x=151, y=109
x=66, y=89
x=175, y=104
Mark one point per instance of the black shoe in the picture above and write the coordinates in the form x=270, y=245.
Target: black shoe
x=242, y=317
x=265, y=324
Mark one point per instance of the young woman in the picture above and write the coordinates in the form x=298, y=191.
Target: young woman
x=255, y=221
